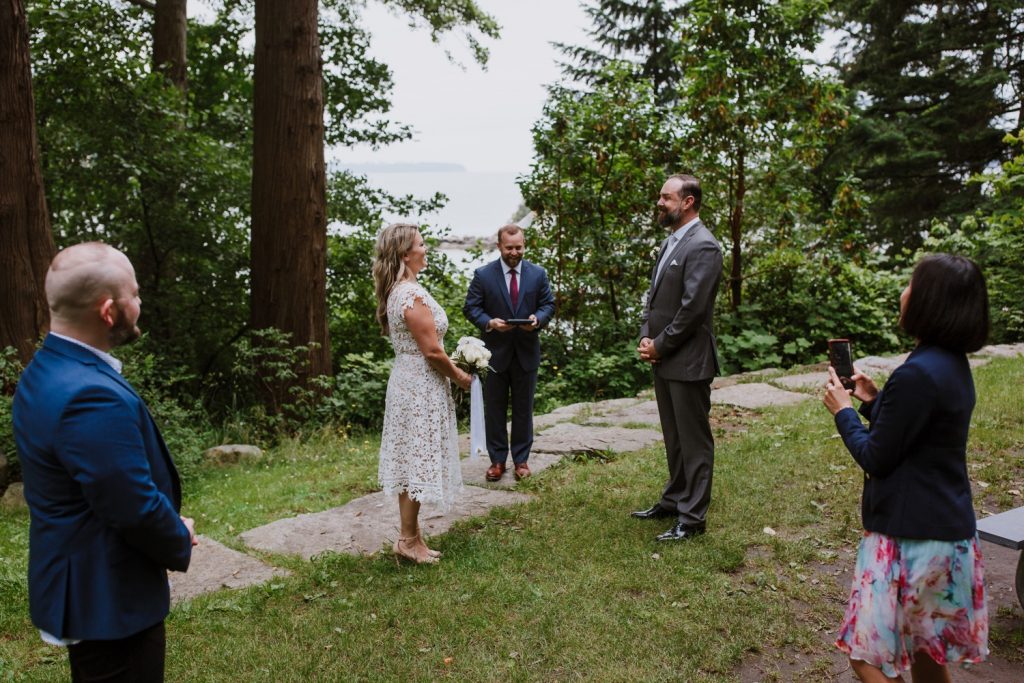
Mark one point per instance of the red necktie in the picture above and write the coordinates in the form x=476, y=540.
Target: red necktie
x=513, y=290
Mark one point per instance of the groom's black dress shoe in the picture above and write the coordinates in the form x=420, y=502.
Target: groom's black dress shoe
x=680, y=532
x=653, y=512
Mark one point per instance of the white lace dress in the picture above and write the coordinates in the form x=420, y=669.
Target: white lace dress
x=419, y=448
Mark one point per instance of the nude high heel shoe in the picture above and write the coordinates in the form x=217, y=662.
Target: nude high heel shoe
x=430, y=551
x=407, y=547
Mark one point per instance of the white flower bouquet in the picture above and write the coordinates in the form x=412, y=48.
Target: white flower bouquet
x=472, y=355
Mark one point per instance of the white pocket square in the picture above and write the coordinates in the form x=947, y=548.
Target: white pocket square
x=673, y=263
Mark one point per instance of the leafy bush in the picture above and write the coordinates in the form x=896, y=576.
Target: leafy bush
x=356, y=393
x=798, y=302
x=612, y=373
x=10, y=370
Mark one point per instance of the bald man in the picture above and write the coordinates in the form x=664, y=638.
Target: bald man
x=102, y=490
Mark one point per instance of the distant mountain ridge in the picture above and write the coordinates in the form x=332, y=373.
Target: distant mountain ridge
x=416, y=167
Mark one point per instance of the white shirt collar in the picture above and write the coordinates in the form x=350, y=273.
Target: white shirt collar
x=104, y=356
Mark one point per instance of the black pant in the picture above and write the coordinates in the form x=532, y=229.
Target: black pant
x=520, y=385
x=138, y=658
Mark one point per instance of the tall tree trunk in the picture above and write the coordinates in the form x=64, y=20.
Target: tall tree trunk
x=289, y=201
x=26, y=243
x=170, y=32
x=154, y=259
x=736, y=232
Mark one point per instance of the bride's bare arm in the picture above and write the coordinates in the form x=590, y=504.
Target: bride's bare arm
x=420, y=322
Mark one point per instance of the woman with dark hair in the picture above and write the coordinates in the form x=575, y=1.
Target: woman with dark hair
x=918, y=598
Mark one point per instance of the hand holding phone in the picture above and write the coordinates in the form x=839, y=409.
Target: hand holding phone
x=840, y=357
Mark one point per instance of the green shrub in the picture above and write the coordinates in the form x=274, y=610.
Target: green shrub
x=10, y=370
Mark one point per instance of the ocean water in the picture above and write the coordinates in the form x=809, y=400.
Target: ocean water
x=478, y=202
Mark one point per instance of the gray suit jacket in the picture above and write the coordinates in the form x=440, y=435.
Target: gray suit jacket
x=680, y=307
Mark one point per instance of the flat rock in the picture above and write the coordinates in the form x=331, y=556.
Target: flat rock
x=14, y=497
x=215, y=566
x=806, y=380
x=642, y=413
x=231, y=453
x=558, y=415
x=364, y=525
x=612, y=405
x=875, y=365
x=573, y=438
x=756, y=395
x=1002, y=350
x=473, y=469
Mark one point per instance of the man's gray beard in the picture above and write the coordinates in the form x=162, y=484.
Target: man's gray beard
x=669, y=218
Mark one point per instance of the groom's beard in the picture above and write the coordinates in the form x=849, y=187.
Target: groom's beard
x=669, y=218
x=122, y=331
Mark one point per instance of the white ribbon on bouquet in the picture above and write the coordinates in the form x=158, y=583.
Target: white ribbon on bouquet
x=477, y=434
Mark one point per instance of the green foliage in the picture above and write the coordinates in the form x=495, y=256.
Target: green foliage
x=994, y=237
x=638, y=32
x=10, y=370
x=593, y=185
x=796, y=303
x=610, y=373
x=129, y=160
x=357, y=392
x=933, y=85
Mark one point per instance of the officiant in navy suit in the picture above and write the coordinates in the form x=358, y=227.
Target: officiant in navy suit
x=503, y=293
x=102, y=490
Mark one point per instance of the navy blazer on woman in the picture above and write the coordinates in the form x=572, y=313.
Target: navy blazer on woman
x=914, y=456
x=103, y=495
x=488, y=298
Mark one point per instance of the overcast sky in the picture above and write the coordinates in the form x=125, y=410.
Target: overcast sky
x=480, y=119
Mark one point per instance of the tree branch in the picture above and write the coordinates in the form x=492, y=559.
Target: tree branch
x=144, y=4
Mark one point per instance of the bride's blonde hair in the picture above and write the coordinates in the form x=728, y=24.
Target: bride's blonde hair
x=393, y=243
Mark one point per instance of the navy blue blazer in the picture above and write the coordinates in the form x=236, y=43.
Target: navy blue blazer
x=914, y=456
x=103, y=495
x=488, y=298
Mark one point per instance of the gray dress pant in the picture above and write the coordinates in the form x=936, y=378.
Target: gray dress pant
x=689, y=447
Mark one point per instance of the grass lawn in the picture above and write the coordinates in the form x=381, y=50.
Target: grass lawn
x=566, y=587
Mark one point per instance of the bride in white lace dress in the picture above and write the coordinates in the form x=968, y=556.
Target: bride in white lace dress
x=419, y=451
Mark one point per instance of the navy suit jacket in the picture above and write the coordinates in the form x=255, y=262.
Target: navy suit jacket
x=914, y=456
x=488, y=298
x=103, y=495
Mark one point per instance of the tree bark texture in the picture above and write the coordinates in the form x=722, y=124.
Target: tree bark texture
x=26, y=243
x=170, y=30
x=736, y=232
x=289, y=201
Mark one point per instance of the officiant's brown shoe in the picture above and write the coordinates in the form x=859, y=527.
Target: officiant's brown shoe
x=522, y=471
x=495, y=471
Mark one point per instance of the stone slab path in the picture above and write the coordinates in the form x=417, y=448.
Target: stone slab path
x=756, y=395
x=215, y=566
x=473, y=470
x=365, y=525
x=569, y=437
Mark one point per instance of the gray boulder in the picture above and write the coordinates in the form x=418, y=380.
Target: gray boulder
x=231, y=454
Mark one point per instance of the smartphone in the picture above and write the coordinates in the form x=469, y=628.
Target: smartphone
x=840, y=357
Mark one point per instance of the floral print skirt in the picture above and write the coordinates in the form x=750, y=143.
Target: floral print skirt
x=912, y=595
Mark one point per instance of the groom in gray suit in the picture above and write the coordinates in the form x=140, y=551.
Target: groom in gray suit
x=676, y=338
